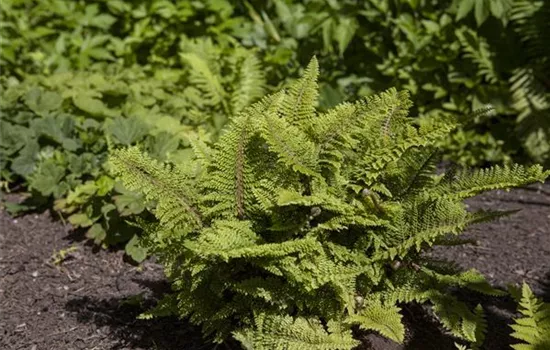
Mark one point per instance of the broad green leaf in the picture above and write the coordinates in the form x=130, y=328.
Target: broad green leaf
x=47, y=178
x=80, y=220
x=127, y=131
x=91, y=105
x=135, y=250
x=42, y=102
x=97, y=233
x=482, y=11
x=465, y=7
x=344, y=32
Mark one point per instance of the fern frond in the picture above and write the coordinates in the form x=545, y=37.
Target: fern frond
x=205, y=79
x=300, y=103
x=477, y=49
x=223, y=238
x=426, y=222
x=285, y=332
x=176, y=202
x=465, y=184
x=287, y=141
x=534, y=327
x=230, y=177
x=250, y=81
x=384, y=319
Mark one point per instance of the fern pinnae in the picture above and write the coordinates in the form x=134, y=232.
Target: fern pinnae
x=140, y=172
x=290, y=143
x=250, y=84
x=239, y=174
x=533, y=328
x=207, y=80
x=299, y=107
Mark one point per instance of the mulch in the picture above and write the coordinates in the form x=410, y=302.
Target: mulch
x=90, y=299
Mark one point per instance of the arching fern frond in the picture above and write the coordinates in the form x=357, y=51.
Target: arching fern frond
x=465, y=184
x=176, y=200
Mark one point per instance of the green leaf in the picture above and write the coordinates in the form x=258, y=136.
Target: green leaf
x=482, y=11
x=129, y=203
x=344, y=32
x=25, y=162
x=97, y=233
x=91, y=105
x=47, y=178
x=135, y=250
x=42, y=102
x=127, y=131
x=465, y=8
x=80, y=220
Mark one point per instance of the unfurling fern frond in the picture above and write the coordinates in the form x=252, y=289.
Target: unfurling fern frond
x=533, y=329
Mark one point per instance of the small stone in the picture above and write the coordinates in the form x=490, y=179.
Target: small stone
x=66, y=287
x=34, y=274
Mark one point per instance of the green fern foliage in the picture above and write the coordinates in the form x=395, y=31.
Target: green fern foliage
x=298, y=226
x=533, y=329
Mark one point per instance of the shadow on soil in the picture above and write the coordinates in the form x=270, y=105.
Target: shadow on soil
x=546, y=288
x=117, y=319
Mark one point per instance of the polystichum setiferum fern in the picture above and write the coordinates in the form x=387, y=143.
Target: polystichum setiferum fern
x=533, y=328
x=297, y=226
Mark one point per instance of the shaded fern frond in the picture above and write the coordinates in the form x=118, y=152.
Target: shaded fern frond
x=477, y=49
x=250, y=81
x=202, y=76
x=176, y=201
x=285, y=332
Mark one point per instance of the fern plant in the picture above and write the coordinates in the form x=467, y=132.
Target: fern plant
x=297, y=226
x=533, y=329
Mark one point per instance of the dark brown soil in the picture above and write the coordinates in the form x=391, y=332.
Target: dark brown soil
x=88, y=300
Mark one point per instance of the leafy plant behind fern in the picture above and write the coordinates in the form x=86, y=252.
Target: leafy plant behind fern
x=297, y=226
x=53, y=130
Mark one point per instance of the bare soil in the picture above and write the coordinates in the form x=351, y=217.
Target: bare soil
x=90, y=299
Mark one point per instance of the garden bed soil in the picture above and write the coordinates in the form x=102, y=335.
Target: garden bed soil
x=91, y=298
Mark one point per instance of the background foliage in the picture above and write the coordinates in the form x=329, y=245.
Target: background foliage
x=55, y=130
